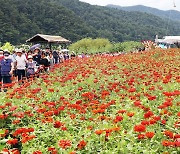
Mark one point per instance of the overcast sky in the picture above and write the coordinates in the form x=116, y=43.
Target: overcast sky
x=160, y=4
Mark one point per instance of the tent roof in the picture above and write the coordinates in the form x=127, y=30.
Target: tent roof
x=47, y=39
x=170, y=39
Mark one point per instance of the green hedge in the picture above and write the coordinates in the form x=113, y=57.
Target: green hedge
x=100, y=45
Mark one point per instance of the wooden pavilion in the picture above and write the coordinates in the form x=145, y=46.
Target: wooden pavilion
x=48, y=39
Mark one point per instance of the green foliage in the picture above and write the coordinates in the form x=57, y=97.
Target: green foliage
x=131, y=46
x=89, y=45
x=100, y=45
x=2, y=145
x=117, y=47
x=8, y=46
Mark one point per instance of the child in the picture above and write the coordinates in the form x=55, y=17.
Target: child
x=31, y=66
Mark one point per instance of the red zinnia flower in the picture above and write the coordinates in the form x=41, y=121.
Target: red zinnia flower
x=132, y=90
x=16, y=121
x=51, y=90
x=163, y=122
x=166, y=143
x=140, y=128
x=141, y=136
x=177, y=136
x=122, y=111
x=12, y=141
x=137, y=103
x=64, y=128
x=169, y=133
x=52, y=150
x=57, y=124
x=118, y=119
x=177, y=143
x=150, y=134
x=37, y=152
x=148, y=114
x=64, y=143
x=81, y=144
x=144, y=122
x=151, y=98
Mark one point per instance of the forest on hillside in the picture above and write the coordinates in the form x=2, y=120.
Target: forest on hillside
x=75, y=20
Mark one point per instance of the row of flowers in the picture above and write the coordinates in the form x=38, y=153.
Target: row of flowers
x=101, y=104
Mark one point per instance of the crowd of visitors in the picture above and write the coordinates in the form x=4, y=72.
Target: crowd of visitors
x=21, y=65
x=24, y=65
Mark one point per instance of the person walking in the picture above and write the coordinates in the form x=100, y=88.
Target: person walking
x=73, y=55
x=56, y=56
x=44, y=63
x=61, y=57
x=20, y=65
x=47, y=51
x=7, y=67
x=51, y=59
x=31, y=66
x=37, y=55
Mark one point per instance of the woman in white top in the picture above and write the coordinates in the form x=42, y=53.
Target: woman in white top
x=20, y=65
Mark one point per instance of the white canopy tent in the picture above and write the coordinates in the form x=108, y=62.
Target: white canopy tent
x=169, y=39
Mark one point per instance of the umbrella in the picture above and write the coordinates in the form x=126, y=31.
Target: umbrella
x=35, y=46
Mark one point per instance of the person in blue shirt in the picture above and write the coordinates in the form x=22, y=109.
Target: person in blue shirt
x=6, y=68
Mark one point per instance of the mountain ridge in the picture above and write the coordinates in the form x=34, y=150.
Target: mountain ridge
x=172, y=14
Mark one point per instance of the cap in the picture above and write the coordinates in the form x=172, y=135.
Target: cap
x=30, y=57
x=6, y=52
x=18, y=50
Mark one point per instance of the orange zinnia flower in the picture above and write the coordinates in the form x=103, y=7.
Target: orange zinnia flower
x=99, y=132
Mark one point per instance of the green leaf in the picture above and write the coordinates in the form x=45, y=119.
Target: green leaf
x=2, y=147
x=2, y=131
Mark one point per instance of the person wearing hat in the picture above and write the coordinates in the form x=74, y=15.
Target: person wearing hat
x=6, y=68
x=31, y=66
x=20, y=64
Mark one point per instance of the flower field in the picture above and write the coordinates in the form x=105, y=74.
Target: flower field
x=101, y=104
